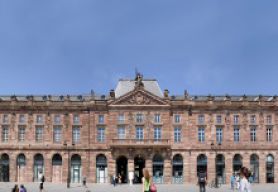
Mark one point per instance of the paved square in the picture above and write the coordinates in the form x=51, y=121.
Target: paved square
x=50, y=187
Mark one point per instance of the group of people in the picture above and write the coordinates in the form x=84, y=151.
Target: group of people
x=19, y=189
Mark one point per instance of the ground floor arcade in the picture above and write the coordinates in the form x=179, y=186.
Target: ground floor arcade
x=166, y=165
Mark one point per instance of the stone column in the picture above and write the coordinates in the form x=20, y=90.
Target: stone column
x=262, y=168
x=167, y=170
x=193, y=167
x=65, y=166
x=111, y=166
x=48, y=166
x=13, y=169
x=228, y=166
x=186, y=167
x=149, y=165
x=275, y=168
x=211, y=172
x=29, y=166
x=92, y=168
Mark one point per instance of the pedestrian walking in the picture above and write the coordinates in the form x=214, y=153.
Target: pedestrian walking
x=202, y=181
x=114, y=180
x=147, y=184
x=84, y=182
x=233, y=180
x=41, y=179
x=237, y=181
x=15, y=189
x=22, y=189
x=244, y=185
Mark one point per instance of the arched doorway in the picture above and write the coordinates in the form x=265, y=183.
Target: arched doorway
x=122, y=169
x=21, y=165
x=202, y=164
x=220, y=168
x=38, y=166
x=177, y=174
x=4, y=168
x=270, y=169
x=254, y=168
x=101, y=169
x=158, y=166
x=75, y=168
x=237, y=163
x=139, y=165
x=57, y=169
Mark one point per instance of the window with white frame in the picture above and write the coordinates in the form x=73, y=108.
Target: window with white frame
x=22, y=119
x=21, y=133
x=57, y=119
x=39, y=119
x=157, y=118
x=177, y=118
x=101, y=134
x=219, y=135
x=76, y=134
x=139, y=133
x=39, y=134
x=139, y=118
x=5, y=119
x=269, y=134
x=121, y=132
x=57, y=134
x=5, y=133
x=253, y=134
x=100, y=119
x=157, y=133
x=177, y=134
x=201, y=119
x=236, y=119
x=201, y=134
x=236, y=134
x=76, y=119
x=218, y=119
x=252, y=119
x=121, y=118
x=269, y=120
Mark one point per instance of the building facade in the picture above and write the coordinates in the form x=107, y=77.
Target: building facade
x=138, y=126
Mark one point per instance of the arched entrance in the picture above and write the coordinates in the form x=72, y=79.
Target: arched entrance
x=21, y=165
x=220, y=168
x=158, y=166
x=57, y=169
x=139, y=165
x=75, y=168
x=254, y=168
x=237, y=163
x=122, y=169
x=202, y=164
x=4, y=168
x=38, y=166
x=101, y=169
x=177, y=174
x=270, y=169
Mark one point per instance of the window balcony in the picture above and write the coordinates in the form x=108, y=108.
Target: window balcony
x=140, y=143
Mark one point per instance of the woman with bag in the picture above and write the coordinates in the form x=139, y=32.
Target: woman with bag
x=148, y=185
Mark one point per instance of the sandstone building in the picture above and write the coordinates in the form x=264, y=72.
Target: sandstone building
x=137, y=126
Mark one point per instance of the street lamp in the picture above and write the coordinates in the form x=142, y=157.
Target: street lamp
x=215, y=148
x=69, y=162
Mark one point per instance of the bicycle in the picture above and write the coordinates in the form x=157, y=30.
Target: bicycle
x=213, y=184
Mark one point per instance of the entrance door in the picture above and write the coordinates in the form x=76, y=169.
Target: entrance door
x=4, y=169
x=101, y=175
x=220, y=168
x=139, y=165
x=122, y=169
x=76, y=175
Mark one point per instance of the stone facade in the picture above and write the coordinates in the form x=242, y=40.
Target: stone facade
x=100, y=136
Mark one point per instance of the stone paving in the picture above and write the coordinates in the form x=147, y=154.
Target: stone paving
x=50, y=187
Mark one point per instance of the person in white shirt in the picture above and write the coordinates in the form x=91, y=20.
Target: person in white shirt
x=244, y=185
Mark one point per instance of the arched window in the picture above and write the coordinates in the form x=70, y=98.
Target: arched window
x=101, y=169
x=5, y=168
x=38, y=166
x=57, y=159
x=254, y=168
x=76, y=168
x=270, y=169
x=21, y=160
x=237, y=163
x=158, y=165
x=177, y=169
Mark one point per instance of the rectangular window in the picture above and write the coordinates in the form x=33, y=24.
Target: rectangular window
x=253, y=134
x=121, y=118
x=21, y=133
x=100, y=119
x=236, y=134
x=76, y=134
x=201, y=119
x=177, y=134
x=269, y=134
x=218, y=119
x=5, y=119
x=57, y=119
x=139, y=133
x=157, y=133
x=22, y=119
x=201, y=134
x=5, y=134
x=57, y=134
x=101, y=134
x=177, y=118
x=236, y=119
x=39, y=119
x=121, y=132
x=139, y=118
x=253, y=119
x=157, y=118
x=39, y=134
x=219, y=135
x=269, y=120
x=76, y=119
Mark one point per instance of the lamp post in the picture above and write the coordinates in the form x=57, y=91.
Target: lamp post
x=215, y=148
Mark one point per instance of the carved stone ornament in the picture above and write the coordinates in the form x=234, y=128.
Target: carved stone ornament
x=139, y=99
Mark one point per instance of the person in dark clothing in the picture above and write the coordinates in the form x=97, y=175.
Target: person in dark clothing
x=202, y=180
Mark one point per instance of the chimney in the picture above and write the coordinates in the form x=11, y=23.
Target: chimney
x=166, y=93
x=112, y=93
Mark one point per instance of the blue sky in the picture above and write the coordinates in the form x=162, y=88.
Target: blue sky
x=206, y=47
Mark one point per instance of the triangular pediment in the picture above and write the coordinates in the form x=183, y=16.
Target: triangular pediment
x=139, y=97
